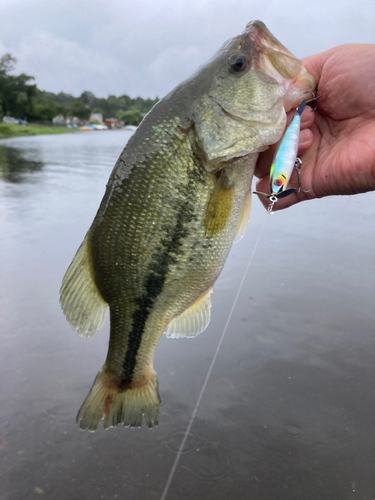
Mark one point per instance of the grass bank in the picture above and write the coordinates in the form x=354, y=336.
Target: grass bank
x=16, y=130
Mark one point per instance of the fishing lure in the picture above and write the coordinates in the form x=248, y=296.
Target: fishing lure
x=284, y=161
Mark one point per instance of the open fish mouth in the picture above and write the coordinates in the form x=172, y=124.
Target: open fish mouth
x=278, y=63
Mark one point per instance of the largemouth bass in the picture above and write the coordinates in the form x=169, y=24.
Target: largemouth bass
x=177, y=198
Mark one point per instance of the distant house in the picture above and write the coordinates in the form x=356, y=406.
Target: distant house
x=58, y=120
x=112, y=123
x=96, y=118
x=72, y=120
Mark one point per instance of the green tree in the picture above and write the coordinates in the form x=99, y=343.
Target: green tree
x=46, y=106
x=130, y=117
x=64, y=99
x=79, y=110
x=114, y=104
x=144, y=105
x=87, y=98
x=126, y=102
x=100, y=106
x=7, y=63
x=44, y=112
x=16, y=92
x=20, y=98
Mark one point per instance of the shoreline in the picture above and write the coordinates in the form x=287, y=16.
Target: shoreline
x=10, y=130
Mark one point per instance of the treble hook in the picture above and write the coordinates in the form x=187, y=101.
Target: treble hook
x=297, y=166
x=312, y=99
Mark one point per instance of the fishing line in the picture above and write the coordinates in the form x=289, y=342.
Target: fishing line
x=187, y=432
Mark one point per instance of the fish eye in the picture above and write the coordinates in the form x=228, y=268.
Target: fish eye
x=237, y=63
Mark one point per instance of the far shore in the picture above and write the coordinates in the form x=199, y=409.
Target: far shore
x=9, y=130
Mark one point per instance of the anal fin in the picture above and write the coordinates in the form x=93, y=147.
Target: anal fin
x=193, y=320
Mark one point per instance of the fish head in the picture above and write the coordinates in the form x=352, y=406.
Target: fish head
x=246, y=90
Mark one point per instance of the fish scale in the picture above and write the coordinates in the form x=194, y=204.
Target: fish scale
x=177, y=198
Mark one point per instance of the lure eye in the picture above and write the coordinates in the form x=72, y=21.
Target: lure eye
x=277, y=182
x=237, y=63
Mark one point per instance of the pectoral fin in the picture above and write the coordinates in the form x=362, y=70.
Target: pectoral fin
x=220, y=205
x=193, y=320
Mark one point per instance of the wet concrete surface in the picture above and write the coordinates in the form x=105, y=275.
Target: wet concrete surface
x=288, y=411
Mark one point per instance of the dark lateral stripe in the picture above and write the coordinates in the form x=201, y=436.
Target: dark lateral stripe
x=154, y=284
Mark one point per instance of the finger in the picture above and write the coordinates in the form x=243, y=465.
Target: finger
x=307, y=118
x=306, y=138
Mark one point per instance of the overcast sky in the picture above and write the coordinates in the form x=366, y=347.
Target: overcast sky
x=146, y=47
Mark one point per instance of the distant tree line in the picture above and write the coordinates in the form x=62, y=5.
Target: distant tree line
x=21, y=98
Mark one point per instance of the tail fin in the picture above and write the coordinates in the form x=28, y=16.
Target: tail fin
x=116, y=405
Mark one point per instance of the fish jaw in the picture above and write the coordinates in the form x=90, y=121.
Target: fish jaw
x=277, y=62
x=243, y=111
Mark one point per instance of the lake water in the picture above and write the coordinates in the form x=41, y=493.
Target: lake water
x=278, y=403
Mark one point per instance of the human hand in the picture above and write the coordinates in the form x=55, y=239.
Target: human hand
x=337, y=149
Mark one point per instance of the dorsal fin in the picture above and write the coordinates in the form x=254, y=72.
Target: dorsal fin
x=193, y=320
x=244, y=218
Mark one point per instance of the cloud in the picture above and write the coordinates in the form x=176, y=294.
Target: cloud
x=3, y=49
x=175, y=64
x=146, y=47
x=62, y=65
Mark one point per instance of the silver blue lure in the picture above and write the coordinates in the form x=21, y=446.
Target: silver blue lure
x=284, y=161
